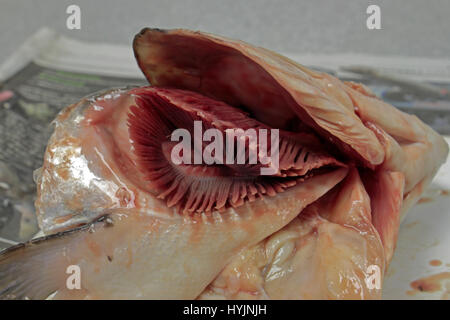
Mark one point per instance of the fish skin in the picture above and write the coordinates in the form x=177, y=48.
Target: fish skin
x=385, y=189
x=164, y=257
x=184, y=254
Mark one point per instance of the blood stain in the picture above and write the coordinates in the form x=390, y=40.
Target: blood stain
x=429, y=284
x=435, y=263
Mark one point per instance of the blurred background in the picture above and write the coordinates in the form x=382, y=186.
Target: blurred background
x=409, y=27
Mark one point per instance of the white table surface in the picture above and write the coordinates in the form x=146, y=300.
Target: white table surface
x=409, y=27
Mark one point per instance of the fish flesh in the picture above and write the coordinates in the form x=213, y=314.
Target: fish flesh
x=112, y=201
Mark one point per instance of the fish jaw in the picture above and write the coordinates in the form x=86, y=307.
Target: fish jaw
x=178, y=257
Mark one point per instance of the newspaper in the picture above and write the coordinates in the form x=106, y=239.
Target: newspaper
x=46, y=74
x=50, y=71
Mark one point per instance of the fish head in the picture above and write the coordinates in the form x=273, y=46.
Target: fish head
x=112, y=152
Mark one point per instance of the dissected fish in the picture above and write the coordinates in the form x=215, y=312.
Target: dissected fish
x=139, y=226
